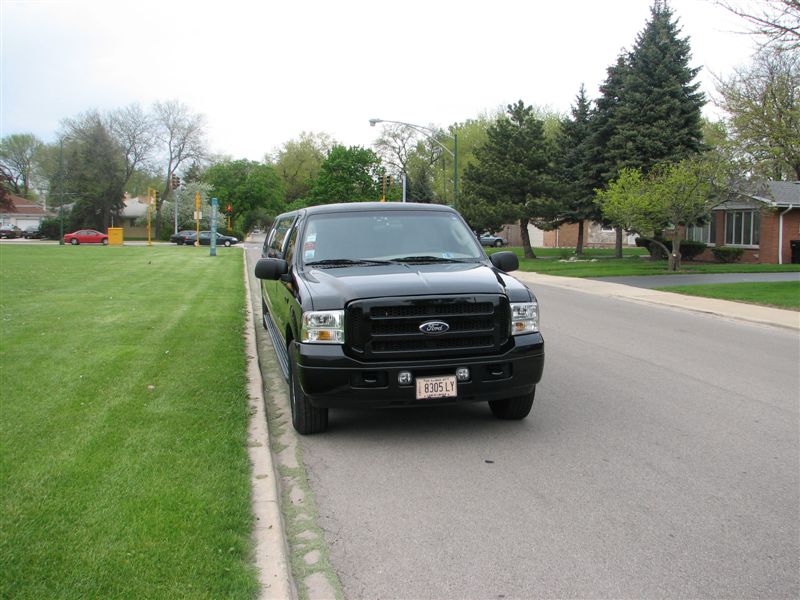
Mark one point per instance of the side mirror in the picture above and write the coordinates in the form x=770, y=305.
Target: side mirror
x=505, y=261
x=271, y=268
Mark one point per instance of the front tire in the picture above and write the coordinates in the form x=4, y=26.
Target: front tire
x=227, y=243
x=105, y=242
x=306, y=418
x=74, y=242
x=513, y=409
x=498, y=243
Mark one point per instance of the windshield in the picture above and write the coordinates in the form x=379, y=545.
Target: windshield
x=403, y=236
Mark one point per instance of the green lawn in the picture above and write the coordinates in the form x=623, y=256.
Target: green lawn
x=601, y=263
x=782, y=294
x=123, y=424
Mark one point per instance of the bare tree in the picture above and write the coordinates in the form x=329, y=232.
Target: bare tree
x=776, y=20
x=183, y=134
x=135, y=131
x=763, y=101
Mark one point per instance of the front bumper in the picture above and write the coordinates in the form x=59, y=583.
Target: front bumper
x=332, y=379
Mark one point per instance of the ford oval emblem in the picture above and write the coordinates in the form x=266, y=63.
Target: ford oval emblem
x=434, y=327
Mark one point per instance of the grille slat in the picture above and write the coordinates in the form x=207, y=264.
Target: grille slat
x=389, y=328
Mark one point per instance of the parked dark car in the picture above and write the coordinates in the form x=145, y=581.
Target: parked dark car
x=180, y=237
x=487, y=239
x=374, y=304
x=32, y=233
x=205, y=239
x=10, y=231
x=86, y=236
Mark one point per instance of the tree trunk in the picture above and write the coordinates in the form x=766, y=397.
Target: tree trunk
x=526, y=239
x=675, y=255
x=579, y=246
x=618, y=243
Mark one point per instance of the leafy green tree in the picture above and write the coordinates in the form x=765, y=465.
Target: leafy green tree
x=247, y=186
x=576, y=185
x=347, y=175
x=671, y=195
x=94, y=172
x=298, y=162
x=513, y=172
x=18, y=155
x=763, y=104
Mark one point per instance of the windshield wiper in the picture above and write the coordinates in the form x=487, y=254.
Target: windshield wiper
x=345, y=262
x=430, y=259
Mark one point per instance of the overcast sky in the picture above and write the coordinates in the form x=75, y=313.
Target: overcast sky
x=264, y=71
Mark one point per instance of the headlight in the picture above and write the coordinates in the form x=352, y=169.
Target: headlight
x=524, y=317
x=323, y=327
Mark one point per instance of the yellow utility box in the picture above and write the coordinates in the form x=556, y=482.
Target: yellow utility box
x=115, y=236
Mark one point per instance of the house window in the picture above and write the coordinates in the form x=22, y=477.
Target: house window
x=742, y=227
x=703, y=233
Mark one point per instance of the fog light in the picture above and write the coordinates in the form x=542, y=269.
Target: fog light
x=462, y=374
x=405, y=378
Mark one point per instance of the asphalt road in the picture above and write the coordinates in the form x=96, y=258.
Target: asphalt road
x=661, y=460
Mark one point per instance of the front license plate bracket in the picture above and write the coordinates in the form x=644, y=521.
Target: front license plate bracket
x=436, y=387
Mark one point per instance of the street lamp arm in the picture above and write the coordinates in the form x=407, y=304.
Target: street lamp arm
x=426, y=131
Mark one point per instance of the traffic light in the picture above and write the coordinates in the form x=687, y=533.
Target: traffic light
x=229, y=209
x=175, y=182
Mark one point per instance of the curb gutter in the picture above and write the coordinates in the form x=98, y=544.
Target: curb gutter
x=271, y=553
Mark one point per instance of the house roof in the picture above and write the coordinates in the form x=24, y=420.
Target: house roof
x=20, y=207
x=776, y=193
x=134, y=207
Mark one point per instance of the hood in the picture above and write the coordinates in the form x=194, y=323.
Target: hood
x=333, y=288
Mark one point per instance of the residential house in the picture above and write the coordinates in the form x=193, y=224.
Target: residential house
x=23, y=213
x=133, y=217
x=762, y=219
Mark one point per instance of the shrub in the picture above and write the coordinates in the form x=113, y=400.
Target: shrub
x=51, y=228
x=726, y=254
x=690, y=249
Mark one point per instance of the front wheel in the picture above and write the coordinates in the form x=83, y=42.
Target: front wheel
x=306, y=418
x=105, y=242
x=227, y=243
x=498, y=243
x=74, y=242
x=513, y=409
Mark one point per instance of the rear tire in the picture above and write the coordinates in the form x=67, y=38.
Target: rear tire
x=306, y=418
x=513, y=409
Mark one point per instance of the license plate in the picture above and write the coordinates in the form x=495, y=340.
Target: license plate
x=436, y=387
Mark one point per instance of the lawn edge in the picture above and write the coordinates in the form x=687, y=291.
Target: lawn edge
x=271, y=551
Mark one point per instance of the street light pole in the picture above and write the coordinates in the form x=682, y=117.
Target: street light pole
x=431, y=135
x=61, y=189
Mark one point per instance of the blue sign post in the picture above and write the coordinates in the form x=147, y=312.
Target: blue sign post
x=214, y=210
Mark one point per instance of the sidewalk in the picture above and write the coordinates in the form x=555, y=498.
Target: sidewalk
x=723, y=308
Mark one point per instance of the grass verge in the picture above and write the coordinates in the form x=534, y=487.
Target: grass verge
x=123, y=424
x=600, y=262
x=780, y=294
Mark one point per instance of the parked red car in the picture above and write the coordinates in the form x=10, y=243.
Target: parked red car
x=86, y=236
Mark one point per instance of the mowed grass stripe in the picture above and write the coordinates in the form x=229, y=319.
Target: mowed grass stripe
x=124, y=415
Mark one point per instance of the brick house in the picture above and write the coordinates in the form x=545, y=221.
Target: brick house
x=762, y=220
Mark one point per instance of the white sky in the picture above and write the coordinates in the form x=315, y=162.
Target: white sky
x=263, y=71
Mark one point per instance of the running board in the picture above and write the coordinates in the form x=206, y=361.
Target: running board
x=277, y=341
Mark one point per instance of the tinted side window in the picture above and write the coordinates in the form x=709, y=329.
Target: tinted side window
x=277, y=237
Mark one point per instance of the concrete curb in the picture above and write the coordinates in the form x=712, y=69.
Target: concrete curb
x=752, y=313
x=271, y=552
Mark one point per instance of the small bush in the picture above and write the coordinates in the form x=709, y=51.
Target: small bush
x=726, y=254
x=51, y=228
x=690, y=249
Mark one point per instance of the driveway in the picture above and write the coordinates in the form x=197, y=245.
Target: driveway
x=655, y=281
